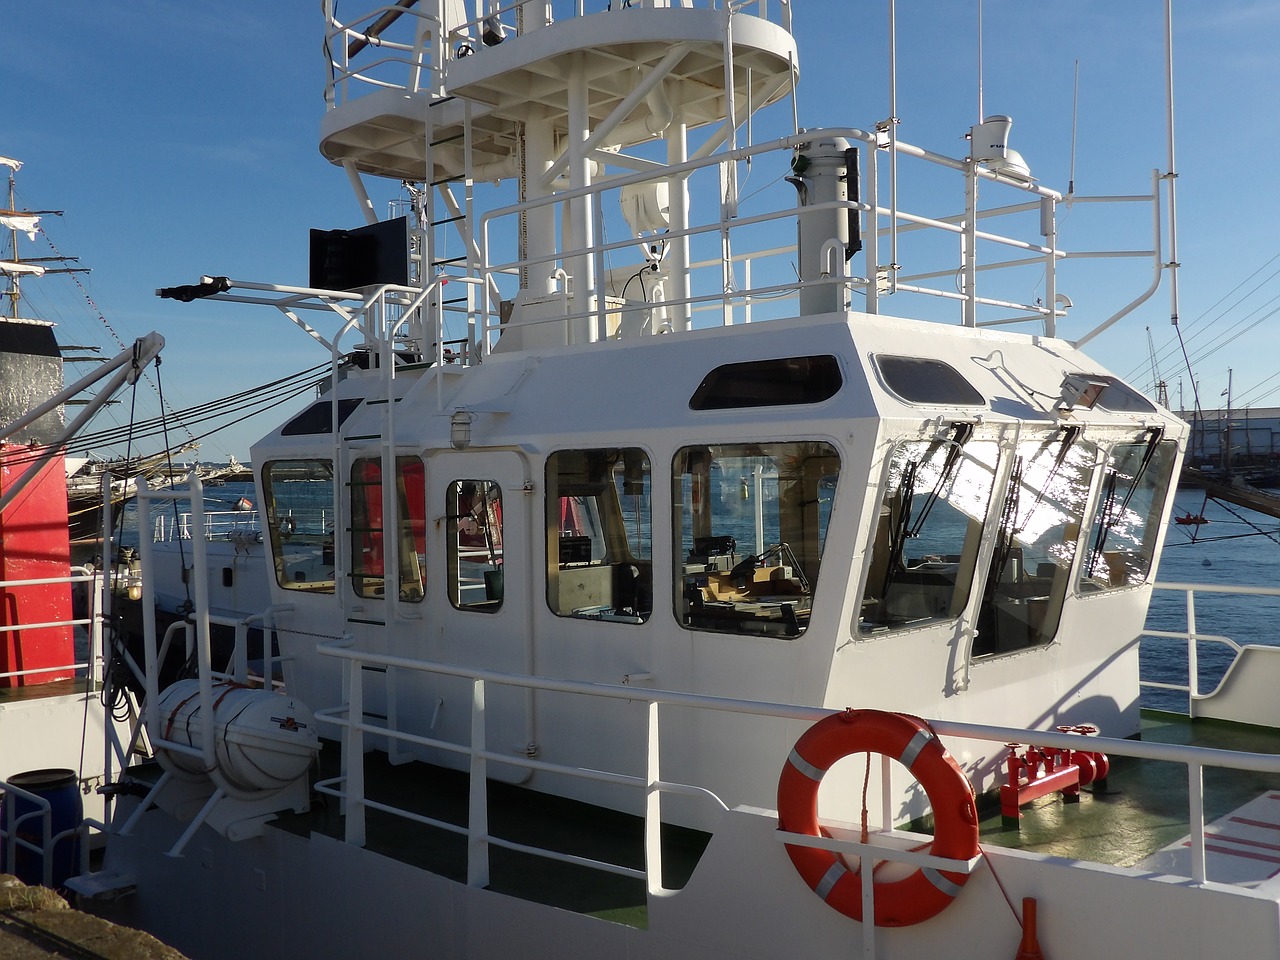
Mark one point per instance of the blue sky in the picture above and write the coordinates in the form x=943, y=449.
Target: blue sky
x=180, y=139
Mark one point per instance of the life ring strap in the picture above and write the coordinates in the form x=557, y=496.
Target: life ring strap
x=804, y=767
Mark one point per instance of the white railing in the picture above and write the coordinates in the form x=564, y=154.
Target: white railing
x=92, y=666
x=1191, y=637
x=219, y=525
x=739, y=271
x=742, y=269
x=357, y=726
x=395, y=47
x=41, y=841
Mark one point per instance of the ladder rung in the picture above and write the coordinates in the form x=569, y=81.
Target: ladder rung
x=441, y=223
x=456, y=136
x=448, y=260
x=455, y=300
x=454, y=179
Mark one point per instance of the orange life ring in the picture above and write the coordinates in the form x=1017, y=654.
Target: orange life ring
x=926, y=892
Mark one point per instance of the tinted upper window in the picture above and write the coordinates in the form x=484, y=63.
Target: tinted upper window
x=918, y=380
x=768, y=383
x=318, y=418
x=1119, y=397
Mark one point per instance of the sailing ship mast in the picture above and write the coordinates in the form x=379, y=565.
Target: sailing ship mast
x=25, y=221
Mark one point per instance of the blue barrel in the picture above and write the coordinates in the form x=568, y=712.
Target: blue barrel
x=61, y=790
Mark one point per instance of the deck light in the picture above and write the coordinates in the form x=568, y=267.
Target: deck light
x=460, y=429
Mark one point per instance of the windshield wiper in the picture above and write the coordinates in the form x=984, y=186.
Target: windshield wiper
x=1108, y=517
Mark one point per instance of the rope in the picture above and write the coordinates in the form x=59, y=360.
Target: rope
x=992, y=867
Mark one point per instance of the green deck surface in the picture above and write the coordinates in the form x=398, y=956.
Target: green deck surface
x=1144, y=805
x=1142, y=809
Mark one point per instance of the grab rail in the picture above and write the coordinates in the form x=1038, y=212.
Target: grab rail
x=355, y=725
x=1192, y=636
x=79, y=574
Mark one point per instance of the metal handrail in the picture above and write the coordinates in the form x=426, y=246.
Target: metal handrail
x=78, y=574
x=351, y=718
x=1192, y=636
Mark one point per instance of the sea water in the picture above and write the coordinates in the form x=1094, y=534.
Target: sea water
x=1228, y=550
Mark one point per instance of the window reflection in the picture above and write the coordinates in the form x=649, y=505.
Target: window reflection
x=299, y=509
x=925, y=547
x=599, y=552
x=1122, y=539
x=368, y=533
x=1036, y=543
x=476, y=560
x=751, y=523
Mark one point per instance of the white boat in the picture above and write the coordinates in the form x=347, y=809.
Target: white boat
x=586, y=701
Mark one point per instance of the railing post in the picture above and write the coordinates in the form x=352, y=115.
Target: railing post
x=478, y=800
x=1195, y=803
x=242, y=654
x=353, y=756
x=653, y=808
x=866, y=872
x=1193, y=665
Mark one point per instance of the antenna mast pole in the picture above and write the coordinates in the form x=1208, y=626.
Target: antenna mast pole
x=982, y=114
x=1171, y=175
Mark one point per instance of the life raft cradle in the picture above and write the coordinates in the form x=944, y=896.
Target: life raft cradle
x=952, y=854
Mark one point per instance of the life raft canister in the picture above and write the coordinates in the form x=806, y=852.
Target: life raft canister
x=926, y=892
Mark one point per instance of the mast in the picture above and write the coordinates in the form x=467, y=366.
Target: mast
x=25, y=221
x=13, y=293
x=1226, y=451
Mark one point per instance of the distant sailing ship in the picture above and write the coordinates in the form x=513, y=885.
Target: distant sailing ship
x=31, y=369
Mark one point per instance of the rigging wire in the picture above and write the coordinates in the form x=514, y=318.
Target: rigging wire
x=247, y=403
x=110, y=329
x=1220, y=339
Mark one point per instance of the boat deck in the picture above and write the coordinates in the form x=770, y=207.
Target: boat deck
x=42, y=691
x=1142, y=809
x=517, y=815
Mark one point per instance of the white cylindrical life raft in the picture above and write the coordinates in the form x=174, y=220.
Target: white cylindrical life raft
x=262, y=740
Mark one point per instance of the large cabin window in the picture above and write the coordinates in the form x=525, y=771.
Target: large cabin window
x=599, y=548
x=1126, y=522
x=299, y=513
x=924, y=550
x=751, y=521
x=1036, y=543
x=476, y=561
x=368, y=528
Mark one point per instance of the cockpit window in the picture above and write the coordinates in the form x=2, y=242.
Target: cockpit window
x=751, y=521
x=375, y=537
x=1122, y=539
x=318, y=418
x=925, y=546
x=599, y=547
x=299, y=511
x=918, y=380
x=1119, y=397
x=1036, y=543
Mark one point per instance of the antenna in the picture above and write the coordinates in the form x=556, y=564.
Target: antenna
x=982, y=115
x=1172, y=174
x=1075, y=116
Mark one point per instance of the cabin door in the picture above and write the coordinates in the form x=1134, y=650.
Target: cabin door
x=482, y=587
